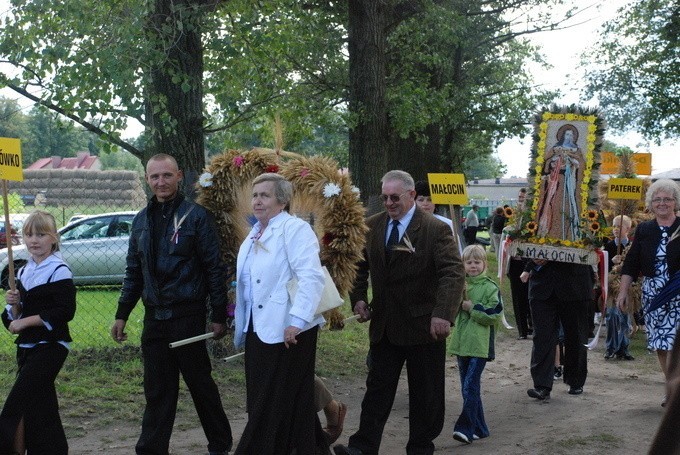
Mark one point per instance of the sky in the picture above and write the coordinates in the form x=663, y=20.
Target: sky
x=562, y=49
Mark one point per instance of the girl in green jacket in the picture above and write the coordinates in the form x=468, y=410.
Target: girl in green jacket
x=472, y=340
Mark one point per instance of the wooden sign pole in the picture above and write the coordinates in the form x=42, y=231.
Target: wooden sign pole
x=8, y=237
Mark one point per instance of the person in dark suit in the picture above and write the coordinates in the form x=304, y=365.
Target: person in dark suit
x=559, y=292
x=418, y=279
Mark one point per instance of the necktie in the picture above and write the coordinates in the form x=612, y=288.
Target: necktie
x=393, y=239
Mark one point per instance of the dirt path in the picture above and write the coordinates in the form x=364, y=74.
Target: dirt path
x=618, y=412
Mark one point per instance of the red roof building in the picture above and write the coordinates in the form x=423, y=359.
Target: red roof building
x=83, y=160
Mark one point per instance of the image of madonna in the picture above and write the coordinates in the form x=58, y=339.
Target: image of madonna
x=560, y=204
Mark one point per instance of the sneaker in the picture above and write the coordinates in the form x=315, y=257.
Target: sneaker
x=458, y=436
x=475, y=437
x=558, y=372
x=575, y=390
x=608, y=355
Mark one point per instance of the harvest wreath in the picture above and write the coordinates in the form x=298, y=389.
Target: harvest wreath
x=321, y=194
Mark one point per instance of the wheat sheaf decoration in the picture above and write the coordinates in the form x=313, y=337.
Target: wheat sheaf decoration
x=321, y=195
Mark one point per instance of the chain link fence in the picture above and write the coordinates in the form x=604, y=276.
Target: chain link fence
x=94, y=212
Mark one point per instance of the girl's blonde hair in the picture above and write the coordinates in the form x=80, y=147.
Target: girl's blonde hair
x=475, y=252
x=41, y=222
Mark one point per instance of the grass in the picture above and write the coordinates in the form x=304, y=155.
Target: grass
x=595, y=441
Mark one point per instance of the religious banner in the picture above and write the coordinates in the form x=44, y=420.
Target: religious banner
x=562, y=211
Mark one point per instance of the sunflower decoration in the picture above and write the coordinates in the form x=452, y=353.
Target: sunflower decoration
x=508, y=212
x=594, y=227
x=321, y=194
x=531, y=227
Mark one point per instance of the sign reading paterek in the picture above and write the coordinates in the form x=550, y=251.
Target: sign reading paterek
x=642, y=162
x=624, y=189
x=10, y=159
x=448, y=189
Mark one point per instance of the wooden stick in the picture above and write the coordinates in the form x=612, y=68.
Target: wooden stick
x=8, y=237
x=240, y=354
x=235, y=356
x=351, y=318
x=205, y=336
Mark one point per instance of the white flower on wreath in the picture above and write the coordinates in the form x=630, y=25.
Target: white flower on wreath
x=356, y=190
x=205, y=180
x=331, y=189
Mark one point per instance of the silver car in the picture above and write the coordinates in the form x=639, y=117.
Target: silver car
x=94, y=247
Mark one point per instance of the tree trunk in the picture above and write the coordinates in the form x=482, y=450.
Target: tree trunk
x=417, y=157
x=368, y=139
x=174, y=96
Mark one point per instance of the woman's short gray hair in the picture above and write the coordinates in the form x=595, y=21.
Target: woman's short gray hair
x=283, y=189
x=665, y=185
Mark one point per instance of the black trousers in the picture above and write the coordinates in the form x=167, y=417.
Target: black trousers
x=34, y=398
x=162, y=367
x=520, y=297
x=425, y=371
x=547, y=314
x=282, y=419
x=470, y=235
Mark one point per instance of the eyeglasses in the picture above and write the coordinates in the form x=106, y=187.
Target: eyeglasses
x=392, y=197
x=665, y=200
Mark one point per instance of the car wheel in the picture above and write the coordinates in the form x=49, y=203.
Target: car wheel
x=4, y=278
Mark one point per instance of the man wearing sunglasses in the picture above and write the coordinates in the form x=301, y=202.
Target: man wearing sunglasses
x=417, y=279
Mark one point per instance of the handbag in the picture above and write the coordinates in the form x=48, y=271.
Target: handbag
x=330, y=297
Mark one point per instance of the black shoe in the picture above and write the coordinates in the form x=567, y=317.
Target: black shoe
x=346, y=450
x=625, y=356
x=558, y=372
x=539, y=394
x=575, y=390
x=608, y=355
x=522, y=337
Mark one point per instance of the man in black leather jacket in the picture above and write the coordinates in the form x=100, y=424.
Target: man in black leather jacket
x=174, y=264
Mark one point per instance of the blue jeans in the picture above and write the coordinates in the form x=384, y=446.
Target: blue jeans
x=617, y=329
x=471, y=420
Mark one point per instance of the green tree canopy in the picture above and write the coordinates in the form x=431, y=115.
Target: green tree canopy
x=633, y=70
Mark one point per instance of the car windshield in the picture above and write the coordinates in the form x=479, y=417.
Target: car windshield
x=88, y=229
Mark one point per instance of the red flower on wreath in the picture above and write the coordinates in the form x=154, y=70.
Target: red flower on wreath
x=238, y=161
x=304, y=172
x=272, y=168
x=328, y=238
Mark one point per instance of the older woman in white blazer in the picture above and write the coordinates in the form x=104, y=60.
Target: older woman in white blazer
x=279, y=334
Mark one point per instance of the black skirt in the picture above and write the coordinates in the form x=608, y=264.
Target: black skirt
x=280, y=398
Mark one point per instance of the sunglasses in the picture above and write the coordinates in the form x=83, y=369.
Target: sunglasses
x=392, y=197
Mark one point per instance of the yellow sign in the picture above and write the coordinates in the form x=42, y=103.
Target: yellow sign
x=624, y=189
x=610, y=163
x=10, y=159
x=448, y=189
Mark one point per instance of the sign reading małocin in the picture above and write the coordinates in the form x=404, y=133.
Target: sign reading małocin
x=448, y=189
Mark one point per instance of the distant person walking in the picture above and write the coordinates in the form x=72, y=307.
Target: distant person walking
x=471, y=225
